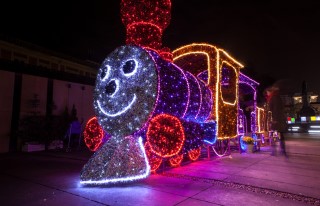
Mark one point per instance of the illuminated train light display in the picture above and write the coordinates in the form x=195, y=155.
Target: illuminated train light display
x=249, y=121
x=156, y=106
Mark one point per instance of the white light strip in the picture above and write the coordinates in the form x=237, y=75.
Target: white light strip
x=207, y=141
x=219, y=155
x=118, y=113
x=125, y=179
x=313, y=131
x=314, y=126
x=107, y=73
x=117, y=87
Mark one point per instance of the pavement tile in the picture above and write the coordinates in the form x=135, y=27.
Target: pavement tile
x=193, y=202
x=52, y=178
x=15, y=191
x=128, y=195
x=202, y=173
x=312, y=182
x=176, y=186
x=290, y=169
x=228, y=196
x=275, y=185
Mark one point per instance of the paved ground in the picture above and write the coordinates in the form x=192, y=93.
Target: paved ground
x=52, y=178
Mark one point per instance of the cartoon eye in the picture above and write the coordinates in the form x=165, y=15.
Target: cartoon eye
x=130, y=67
x=105, y=72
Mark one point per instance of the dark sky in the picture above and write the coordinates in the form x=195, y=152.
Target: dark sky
x=273, y=39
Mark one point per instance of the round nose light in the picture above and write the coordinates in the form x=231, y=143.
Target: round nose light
x=111, y=87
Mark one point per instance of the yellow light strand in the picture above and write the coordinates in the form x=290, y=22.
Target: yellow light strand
x=219, y=57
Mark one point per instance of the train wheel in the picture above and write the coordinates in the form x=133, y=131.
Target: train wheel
x=165, y=135
x=194, y=154
x=154, y=160
x=176, y=160
x=93, y=134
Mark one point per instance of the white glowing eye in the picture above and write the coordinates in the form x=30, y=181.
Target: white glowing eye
x=105, y=71
x=130, y=67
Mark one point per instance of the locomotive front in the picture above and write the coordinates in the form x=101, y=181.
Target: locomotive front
x=149, y=108
x=134, y=85
x=126, y=91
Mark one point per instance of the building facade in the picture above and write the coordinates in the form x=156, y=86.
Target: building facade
x=297, y=118
x=40, y=84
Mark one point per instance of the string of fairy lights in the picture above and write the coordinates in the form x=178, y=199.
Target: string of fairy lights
x=153, y=105
x=145, y=22
x=217, y=60
x=123, y=107
x=93, y=134
x=165, y=135
x=117, y=161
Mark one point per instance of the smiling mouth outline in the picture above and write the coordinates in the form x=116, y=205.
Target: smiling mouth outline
x=120, y=112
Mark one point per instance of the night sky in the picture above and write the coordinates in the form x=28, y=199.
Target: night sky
x=275, y=40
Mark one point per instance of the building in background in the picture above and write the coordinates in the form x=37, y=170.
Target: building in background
x=303, y=111
x=39, y=87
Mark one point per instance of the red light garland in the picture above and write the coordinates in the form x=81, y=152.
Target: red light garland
x=165, y=135
x=93, y=134
x=166, y=54
x=175, y=161
x=145, y=21
x=194, y=154
x=149, y=32
x=154, y=12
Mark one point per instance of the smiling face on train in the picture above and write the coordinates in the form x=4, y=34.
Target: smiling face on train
x=126, y=90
